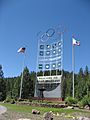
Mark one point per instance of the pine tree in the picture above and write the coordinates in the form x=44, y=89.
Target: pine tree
x=2, y=85
x=16, y=88
x=87, y=81
x=80, y=85
x=27, y=89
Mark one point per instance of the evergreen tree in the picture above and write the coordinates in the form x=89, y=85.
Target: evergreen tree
x=80, y=85
x=2, y=85
x=33, y=79
x=9, y=87
x=68, y=84
x=63, y=87
x=16, y=88
x=1, y=72
x=27, y=89
x=87, y=81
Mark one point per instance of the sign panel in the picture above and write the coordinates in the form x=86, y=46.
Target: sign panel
x=50, y=56
x=49, y=79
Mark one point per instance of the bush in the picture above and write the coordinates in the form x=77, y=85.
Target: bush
x=85, y=101
x=71, y=100
x=10, y=100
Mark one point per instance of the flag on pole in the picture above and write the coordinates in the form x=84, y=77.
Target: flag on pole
x=21, y=50
x=75, y=42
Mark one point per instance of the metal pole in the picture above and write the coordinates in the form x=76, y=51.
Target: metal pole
x=22, y=78
x=73, y=67
x=62, y=50
x=62, y=54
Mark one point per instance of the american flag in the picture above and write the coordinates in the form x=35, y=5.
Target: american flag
x=21, y=50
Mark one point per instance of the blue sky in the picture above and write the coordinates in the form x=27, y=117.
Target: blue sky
x=21, y=20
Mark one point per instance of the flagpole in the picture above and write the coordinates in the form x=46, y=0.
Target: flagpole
x=73, y=57
x=22, y=76
x=77, y=43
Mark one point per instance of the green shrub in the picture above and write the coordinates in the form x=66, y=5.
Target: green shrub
x=12, y=101
x=71, y=100
x=8, y=99
x=85, y=101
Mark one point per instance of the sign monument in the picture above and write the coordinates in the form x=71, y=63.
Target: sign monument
x=49, y=64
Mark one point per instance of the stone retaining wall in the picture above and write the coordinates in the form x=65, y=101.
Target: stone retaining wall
x=43, y=104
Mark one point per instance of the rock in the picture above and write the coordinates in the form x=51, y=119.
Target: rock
x=87, y=107
x=48, y=116
x=57, y=114
x=62, y=114
x=34, y=111
x=83, y=118
x=70, y=107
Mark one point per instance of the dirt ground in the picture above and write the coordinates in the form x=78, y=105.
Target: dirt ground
x=11, y=115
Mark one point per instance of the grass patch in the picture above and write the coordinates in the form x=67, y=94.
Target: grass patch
x=28, y=109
